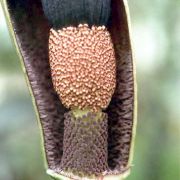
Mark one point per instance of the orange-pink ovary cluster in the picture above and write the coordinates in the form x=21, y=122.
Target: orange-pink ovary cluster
x=83, y=67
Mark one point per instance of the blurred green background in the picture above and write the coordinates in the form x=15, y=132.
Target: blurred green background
x=156, y=38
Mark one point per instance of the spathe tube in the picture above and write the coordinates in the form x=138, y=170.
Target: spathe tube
x=29, y=30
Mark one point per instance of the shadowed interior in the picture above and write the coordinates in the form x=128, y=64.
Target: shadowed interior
x=121, y=109
x=32, y=32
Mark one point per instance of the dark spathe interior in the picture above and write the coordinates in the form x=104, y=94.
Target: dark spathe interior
x=32, y=31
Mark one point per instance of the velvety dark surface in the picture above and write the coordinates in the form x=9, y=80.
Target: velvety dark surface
x=120, y=110
x=32, y=31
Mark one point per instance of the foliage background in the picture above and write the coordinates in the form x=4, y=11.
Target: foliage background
x=155, y=27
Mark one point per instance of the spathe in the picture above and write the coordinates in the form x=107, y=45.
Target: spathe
x=29, y=30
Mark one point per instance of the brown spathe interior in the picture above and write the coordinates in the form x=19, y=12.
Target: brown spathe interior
x=32, y=33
